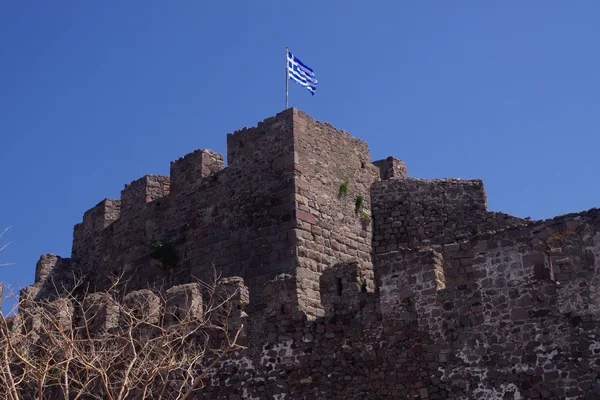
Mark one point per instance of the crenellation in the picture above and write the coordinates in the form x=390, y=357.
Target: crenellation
x=102, y=214
x=232, y=290
x=94, y=221
x=144, y=305
x=280, y=296
x=93, y=314
x=246, y=147
x=229, y=302
x=344, y=286
x=141, y=191
x=237, y=222
x=408, y=280
x=415, y=212
x=63, y=311
x=183, y=302
x=100, y=312
x=349, y=278
x=391, y=168
x=54, y=276
x=45, y=266
x=193, y=169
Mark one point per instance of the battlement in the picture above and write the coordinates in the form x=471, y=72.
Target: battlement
x=266, y=213
x=194, y=168
x=280, y=211
x=413, y=212
x=246, y=147
x=436, y=336
x=343, y=287
x=102, y=215
x=142, y=191
x=391, y=168
x=100, y=312
x=342, y=265
x=95, y=220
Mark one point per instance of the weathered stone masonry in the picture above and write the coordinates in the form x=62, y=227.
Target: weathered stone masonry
x=435, y=298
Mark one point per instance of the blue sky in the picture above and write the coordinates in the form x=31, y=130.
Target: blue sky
x=94, y=94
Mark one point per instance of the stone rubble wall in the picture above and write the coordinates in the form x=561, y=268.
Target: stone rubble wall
x=512, y=332
x=391, y=168
x=52, y=272
x=412, y=212
x=100, y=312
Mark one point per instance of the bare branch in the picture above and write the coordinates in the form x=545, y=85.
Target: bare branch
x=88, y=345
x=2, y=247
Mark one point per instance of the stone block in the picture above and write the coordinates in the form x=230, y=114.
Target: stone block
x=246, y=147
x=391, y=168
x=188, y=172
x=184, y=303
x=62, y=310
x=142, y=306
x=95, y=220
x=280, y=296
x=142, y=191
x=234, y=291
x=342, y=287
x=101, y=215
x=100, y=312
x=44, y=267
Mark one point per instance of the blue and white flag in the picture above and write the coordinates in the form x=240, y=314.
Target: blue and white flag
x=301, y=73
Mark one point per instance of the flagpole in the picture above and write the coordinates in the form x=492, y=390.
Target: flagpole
x=287, y=77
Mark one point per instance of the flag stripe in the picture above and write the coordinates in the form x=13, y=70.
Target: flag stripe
x=301, y=63
x=297, y=70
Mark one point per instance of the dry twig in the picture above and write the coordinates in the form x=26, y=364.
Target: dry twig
x=86, y=346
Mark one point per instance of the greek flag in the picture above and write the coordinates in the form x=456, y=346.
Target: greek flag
x=301, y=73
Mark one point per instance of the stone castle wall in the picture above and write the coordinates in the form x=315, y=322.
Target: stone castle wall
x=512, y=332
x=266, y=213
x=421, y=293
x=410, y=212
x=237, y=220
x=329, y=231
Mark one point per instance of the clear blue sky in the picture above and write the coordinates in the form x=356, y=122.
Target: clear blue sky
x=94, y=94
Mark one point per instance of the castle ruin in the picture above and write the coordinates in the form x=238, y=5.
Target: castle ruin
x=363, y=282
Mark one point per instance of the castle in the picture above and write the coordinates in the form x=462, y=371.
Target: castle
x=363, y=282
